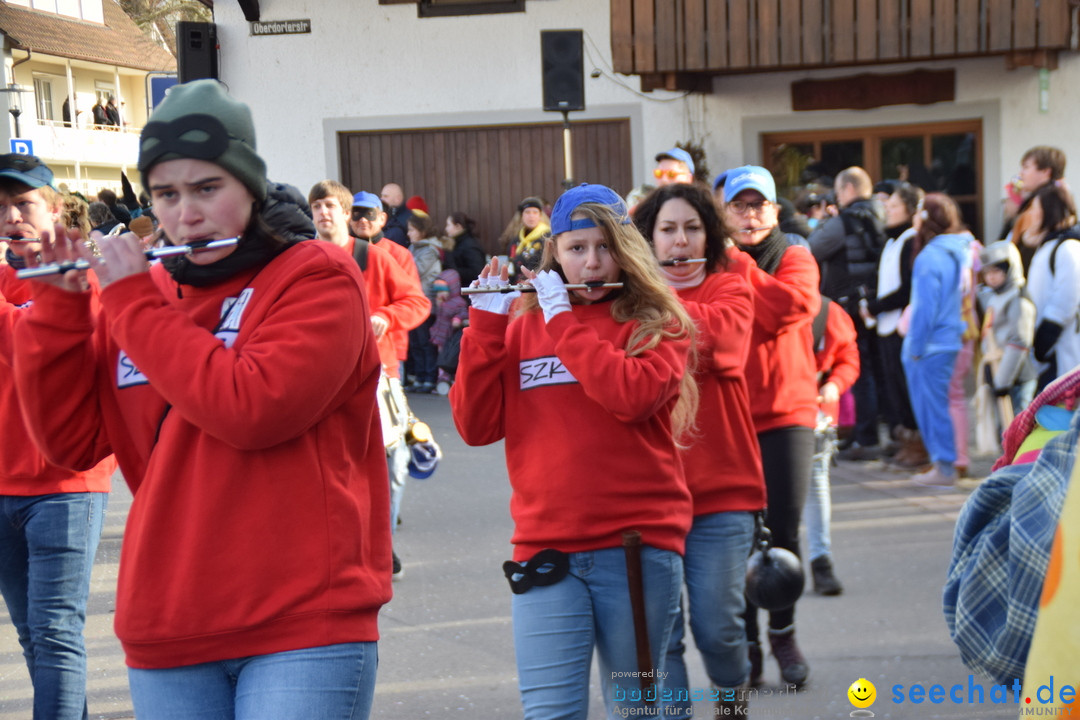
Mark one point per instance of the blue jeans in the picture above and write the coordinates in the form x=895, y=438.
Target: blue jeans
x=715, y=567
x=928, y=383
x=334, y=682
x=817, y=513
x=557, y=626
x=47, y=547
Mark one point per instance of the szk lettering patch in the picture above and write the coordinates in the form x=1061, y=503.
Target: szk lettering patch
x=543, y=371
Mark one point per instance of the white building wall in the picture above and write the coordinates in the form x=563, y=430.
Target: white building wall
x=370, y=66
x=367, y=66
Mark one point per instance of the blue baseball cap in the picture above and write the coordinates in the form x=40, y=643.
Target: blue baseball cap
x=570, y=200
x=749, y=177
x=680, y=155
x=27, y=169
x=368, y=200
x=719, y=181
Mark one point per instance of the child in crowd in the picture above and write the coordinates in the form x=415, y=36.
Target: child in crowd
x=836, y=355
x=1008, y=329
x=451, y=314
x=591, y=388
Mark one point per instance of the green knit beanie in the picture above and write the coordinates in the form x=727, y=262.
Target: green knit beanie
x=199, y=120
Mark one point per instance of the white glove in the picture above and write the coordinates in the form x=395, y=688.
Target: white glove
x=551, y=292
x=493, y=302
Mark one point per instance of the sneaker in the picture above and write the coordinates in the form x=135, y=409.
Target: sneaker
x=825, y=582
x=934, y=478
x=398, y=571
x=756, y=661
x=860, y=452
x=443, y=388
x=793, y=667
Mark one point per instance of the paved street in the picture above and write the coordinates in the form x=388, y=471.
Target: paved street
x=446, y=648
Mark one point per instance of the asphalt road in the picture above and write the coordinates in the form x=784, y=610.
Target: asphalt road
x=446, y=648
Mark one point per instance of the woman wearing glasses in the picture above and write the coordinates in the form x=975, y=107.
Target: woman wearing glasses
x=781, y=376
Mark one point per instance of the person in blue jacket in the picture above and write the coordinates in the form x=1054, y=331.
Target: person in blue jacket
x=941, y=273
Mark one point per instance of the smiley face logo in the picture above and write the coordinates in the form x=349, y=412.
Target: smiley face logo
x=862, y=693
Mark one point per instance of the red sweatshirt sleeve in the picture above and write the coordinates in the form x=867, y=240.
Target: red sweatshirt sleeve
x=477, y=397
x=406, y=306
x=723, y=312
x=840, y=357
x=56, y=362
x=632, y=388
x=260, y=395
x=786, y=297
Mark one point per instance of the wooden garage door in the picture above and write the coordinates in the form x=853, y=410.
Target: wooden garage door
x=485, y=171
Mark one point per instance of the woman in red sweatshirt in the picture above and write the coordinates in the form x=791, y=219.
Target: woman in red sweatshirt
x=682, y=223
x=781, y=376
x=590, y=389
x=237, y=389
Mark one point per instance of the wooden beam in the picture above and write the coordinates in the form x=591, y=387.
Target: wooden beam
x=872, y=90
x=1032, y=58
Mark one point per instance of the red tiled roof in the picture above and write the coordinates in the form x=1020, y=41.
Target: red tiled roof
x=118, y=42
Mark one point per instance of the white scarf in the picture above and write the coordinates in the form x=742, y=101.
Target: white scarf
x=681, y=282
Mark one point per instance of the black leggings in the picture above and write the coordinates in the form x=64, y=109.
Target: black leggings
x=787, y=456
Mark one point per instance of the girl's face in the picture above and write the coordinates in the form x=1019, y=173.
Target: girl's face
x=585, y=256
x=530, y=217
x=197, y=200
x=414, y=234
x=453, y=229
x=895, y=211
x=993, y=276
x=678, y=234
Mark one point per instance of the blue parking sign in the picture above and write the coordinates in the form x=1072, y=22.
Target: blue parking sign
x=22, y=147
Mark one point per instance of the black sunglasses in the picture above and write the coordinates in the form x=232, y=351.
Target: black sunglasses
x=363, y=213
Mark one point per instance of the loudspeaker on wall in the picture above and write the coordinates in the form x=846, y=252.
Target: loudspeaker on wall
x=196, y=50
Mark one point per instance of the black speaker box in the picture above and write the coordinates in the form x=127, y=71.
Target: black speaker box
x=196, y=49
x=562, y=58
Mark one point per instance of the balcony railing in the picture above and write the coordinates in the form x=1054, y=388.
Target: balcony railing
x=89, y=145
x=691, y=38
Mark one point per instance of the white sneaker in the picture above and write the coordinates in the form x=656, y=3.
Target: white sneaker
x=933, y=478
x=443, y=388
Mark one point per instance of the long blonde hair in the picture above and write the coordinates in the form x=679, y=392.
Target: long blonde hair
x=644, y=298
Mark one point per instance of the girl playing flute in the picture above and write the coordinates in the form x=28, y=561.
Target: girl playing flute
x=591, y=391
x=237, y=389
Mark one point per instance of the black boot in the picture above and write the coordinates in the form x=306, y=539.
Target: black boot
x=756, y=669
x=825, y=582
x=793, y=667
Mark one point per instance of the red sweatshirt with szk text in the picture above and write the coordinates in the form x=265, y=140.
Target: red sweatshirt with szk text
x=589, y=445
x=243, y=417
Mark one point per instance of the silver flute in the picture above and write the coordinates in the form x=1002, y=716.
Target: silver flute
x=681, y=261
x=529, y=288
x=62, y=267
